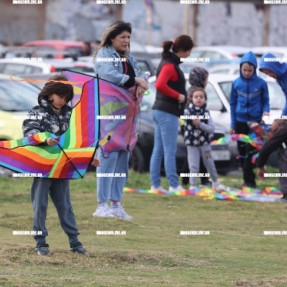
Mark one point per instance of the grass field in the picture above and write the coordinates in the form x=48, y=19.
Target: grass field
x=152, y=253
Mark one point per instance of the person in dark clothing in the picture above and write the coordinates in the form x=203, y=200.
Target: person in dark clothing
x=277, y=141
x=249, y=101
x=169, y=105
x=86, y=49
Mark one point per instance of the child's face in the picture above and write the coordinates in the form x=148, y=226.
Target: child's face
x=198, y=98
x=57, y=101
x=269, y=73
x=247, y=70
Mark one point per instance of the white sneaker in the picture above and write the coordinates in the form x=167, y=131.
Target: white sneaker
x=103, y=210
x=160, y=188
x=175, y=189
x=120, y=212
x=217, y=186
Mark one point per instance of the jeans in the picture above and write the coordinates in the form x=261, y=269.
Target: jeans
x=165, y=144
x=111, y=188
x=59, y=190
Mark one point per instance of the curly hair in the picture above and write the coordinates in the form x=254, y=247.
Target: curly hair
x=54, y=86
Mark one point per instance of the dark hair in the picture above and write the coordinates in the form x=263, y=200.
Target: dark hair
x=198, y=89
x=183, y=42
x=112, y=32
x=250, y=64
x=61, y=89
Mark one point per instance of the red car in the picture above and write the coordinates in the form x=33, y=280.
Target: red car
x=58, y=49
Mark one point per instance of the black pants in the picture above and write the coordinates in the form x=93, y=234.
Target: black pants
x=246, y=152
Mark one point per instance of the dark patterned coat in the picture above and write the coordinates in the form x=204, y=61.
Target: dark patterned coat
x=198, y=135
x=42, y=118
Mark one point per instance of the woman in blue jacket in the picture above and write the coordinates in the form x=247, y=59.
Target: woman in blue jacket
x=114, y=63
x=249, y=101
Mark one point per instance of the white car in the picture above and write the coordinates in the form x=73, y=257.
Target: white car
x=218, y=93
x=18, y=66
x=280, y=52
x=218, y=52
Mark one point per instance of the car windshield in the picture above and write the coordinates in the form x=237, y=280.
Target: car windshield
x=276, y=95
x=17, y=96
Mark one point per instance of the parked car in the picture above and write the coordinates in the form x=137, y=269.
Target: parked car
x=140, y=157
x=218, y=52
x=18, y=52
x=211, y=56
x=280, y=52
x=218, y=92
x=16, y=99
x=16, y=67
x=58, y=48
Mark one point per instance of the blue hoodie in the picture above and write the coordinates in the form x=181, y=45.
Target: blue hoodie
x=249, y=98
x=280, y=69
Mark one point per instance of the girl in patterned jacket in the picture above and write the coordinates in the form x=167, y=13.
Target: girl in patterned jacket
x=198, y=127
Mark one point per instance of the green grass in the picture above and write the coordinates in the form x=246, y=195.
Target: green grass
x=152, y=253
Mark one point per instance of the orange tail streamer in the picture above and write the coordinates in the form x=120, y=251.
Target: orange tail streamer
x=44, y=81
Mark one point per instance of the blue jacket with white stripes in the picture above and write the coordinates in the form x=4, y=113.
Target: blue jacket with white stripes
x=249, y=98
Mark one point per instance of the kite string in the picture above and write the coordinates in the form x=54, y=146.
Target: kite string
x=69, y=159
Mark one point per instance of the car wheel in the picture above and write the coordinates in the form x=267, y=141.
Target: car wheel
x=136, y=161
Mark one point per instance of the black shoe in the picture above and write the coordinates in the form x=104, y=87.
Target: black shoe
x=283, y=198
x=250, y=184
x=206, y=183
x=78, y=248
x=43, y=249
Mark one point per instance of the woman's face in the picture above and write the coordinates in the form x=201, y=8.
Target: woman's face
x=121, y=41
x=184, y=54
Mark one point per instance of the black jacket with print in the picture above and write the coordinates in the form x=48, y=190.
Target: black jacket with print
x=42, y=118
x=198, y=135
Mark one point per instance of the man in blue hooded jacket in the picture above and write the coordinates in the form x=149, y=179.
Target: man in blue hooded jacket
x=249, y=101
x=273, y=68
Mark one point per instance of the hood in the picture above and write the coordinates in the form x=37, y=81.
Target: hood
x=276, y=67
x=197, y=76
x=249, y=57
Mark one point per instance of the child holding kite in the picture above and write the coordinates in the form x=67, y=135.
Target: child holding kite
x=52, y=115
x=249, y=101
x=196, y=137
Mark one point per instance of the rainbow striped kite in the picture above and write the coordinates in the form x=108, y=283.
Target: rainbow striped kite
x=270, y=194
x=258, y=136
x=116, y=132
x=71, y=157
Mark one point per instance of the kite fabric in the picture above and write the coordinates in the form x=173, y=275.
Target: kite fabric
x=119, y=129
x=259, y=135
x=76, y=148
x=246, y=194
x=72, y=156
